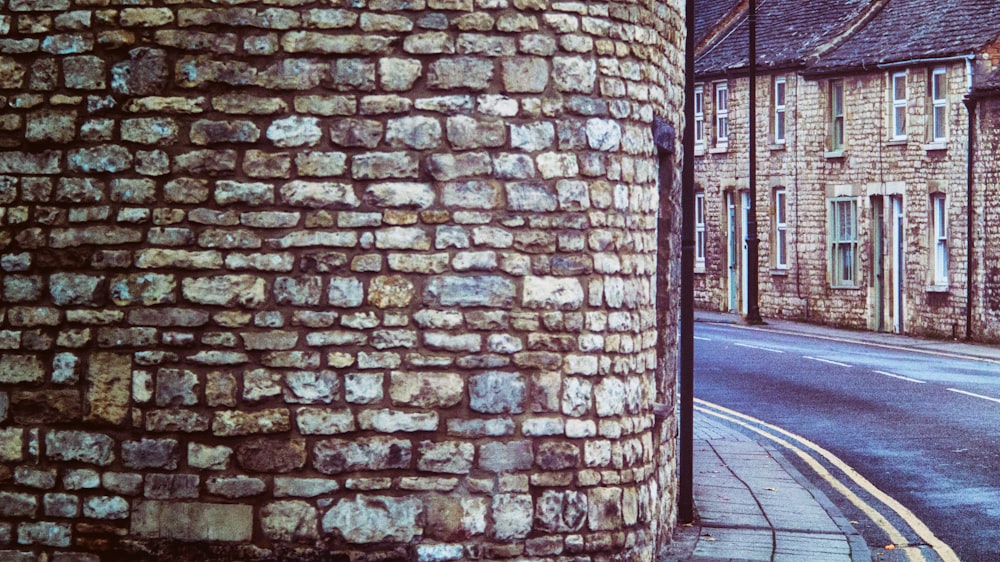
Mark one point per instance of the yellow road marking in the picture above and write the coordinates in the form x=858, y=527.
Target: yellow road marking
x=918, y=526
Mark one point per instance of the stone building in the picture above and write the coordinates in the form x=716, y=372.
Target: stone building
x=363, y=279
x=863, y=162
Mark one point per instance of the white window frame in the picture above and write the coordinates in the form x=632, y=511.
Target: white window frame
x=837, y=129
x=939, y=239
x=721, y=113
x=938, y=89
x=699, y=116
x=780, y=101
x=780, y=248
x=897, y=91
x=699, y=230
x=843, y=234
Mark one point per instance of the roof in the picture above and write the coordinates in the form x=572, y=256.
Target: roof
x=709, y=15
x=906, y=30
x=788, y=33
x=988, y=85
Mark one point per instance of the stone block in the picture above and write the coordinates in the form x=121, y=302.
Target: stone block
x=375, y=519
x=303, y=487
x=151, y=453
x=271, y=455
x=425, y=390
x=470, y=73
x=451, y=457
x=324, y=421
x=473, y=291
x=109, y=378
x=208, y=457
x=49, y=406
x=234, y=422
x=235, y=486
x=225, y=290
x=393, y=421
x=336, y=456
x=171, y=486
x=192, y=521
x=106, y=507
x=291, y=520
x=498, y=456
x=496, y=392
x=44, y=533
x=511, y=516
x=604, y=509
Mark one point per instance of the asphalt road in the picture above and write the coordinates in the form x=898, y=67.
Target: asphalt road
x=923, y=427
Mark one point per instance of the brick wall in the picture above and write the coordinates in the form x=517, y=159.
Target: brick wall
x=360, y=280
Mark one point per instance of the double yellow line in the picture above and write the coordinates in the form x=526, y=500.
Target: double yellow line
x=787, y=440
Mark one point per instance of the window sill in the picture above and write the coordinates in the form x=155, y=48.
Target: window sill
x=776, y=146
x=699, y=269
x=779, y=272
x=937, y=288
x=896, y=142
x=845, y=287
x=719, y=149
x=699, y=150
x=830, y=154
x=930, y=147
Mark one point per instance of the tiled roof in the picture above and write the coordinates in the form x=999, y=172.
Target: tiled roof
x=916, y=29
x=708, y=14
x=989, y=85
x=788, y=32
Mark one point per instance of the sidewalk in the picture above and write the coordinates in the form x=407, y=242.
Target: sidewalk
x=954, y=347
x=753, y=505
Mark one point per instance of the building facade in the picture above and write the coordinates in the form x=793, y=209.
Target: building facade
x=366, y=280
x=863, y=167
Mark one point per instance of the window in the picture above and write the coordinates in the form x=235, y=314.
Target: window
x=699, y=230
x=836, y=115
x=721, y=113
x=899, y=106
x=699, y=116
x=939, y=239
x=780, y=242
x=939, y=105
x=779, y=110
x=843, y=242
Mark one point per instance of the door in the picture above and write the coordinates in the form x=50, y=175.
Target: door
x=878, y=264
x=745, y=254
x=897, y=273
x=732, y=252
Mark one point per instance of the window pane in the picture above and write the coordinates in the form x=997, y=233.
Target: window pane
x=940, y=130
x=899, y=87
x=900, y=121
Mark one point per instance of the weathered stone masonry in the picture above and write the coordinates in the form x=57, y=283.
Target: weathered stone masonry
x=357, y=279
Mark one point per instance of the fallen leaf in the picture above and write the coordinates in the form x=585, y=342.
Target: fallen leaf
x=890, y=547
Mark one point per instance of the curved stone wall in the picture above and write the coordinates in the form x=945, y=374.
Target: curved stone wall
x=339, y=280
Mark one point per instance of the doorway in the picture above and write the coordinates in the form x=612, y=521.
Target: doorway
x=888, y=263
x=732, y=253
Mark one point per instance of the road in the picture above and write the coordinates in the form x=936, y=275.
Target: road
x=923, y=427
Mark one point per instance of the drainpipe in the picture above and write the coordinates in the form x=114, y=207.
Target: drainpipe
x=970, y=105
x=753, y=241
x=686, y=476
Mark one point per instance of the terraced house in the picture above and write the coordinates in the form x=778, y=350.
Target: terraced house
x=874, y=193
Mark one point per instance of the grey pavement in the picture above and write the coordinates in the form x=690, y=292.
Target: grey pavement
x=752, y=503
